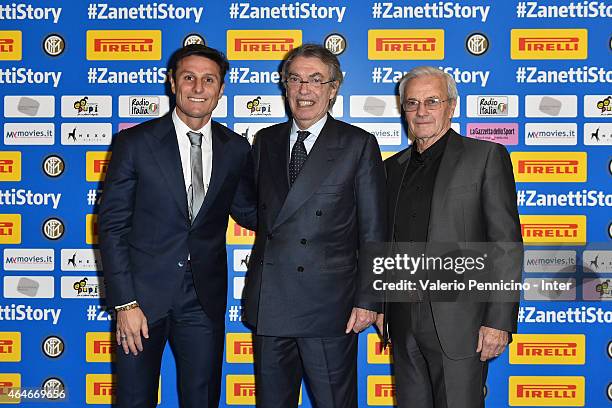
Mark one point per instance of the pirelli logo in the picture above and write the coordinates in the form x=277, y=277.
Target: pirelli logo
x=10, y=166
x=10, y=347
x=569, y=167
x=406, y=44
x=563, y=349
x=100, y=347
x=261, y=44
x=381, y=390
x=532, y=44
x=9, y=382
x=376, y=353
x=546, y=391
x=239, y=348
x=553, y=229
x=97, y=165
x=102, y=389
x=10, y=45
x=103, y=45
x=237, y=235
x=91, y=229
x=240, y=389
x=10, y=229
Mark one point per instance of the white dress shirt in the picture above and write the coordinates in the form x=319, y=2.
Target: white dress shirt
x=312, y=137
x=185, y=147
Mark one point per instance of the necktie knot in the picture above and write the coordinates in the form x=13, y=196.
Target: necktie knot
x=195, y=138
x=302, y=135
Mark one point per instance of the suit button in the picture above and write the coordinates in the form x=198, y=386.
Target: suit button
x=303, y=241
x=319, y=213
x=263, y=207
x=270, y=236
x=261, y=262
x=181, y=264
x=300, y=269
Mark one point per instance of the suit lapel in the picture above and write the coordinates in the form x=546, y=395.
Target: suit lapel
x=317, y=167
x=278, y=151
x=166, y=152
x=219, y=168
x=446, y=171
x=403, y=161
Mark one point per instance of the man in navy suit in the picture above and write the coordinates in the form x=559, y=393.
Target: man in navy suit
x=170, y=187
x=321, y=189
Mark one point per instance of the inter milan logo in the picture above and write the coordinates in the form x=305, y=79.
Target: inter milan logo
x=193, y=39
x=53, y=166
x=54, y=45
x=477, y=44
x=335, y=43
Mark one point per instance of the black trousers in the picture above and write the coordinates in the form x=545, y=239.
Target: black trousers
x=197, y=345
x=329, y=366
x=424, y=376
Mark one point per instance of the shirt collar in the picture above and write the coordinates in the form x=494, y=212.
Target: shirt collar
x=182, y=128
x=315, y=129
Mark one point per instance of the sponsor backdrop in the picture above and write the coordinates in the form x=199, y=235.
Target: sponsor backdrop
x=532, y=75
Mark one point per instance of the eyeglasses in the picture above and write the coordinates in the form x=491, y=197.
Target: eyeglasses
x=294, y=81
x=412, y=105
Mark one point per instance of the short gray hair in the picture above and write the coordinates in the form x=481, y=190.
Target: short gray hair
x=451, y=85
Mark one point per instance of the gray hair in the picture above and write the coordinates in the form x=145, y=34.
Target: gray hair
x=321, y=53
x=451, y=85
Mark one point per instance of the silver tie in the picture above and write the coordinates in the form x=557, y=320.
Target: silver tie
x=196, y=190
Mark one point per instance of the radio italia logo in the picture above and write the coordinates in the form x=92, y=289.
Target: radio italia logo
x=261, y=44
x=548, y=44
x=105, y=45
x=547, y=349
x=406, y=44
x=546, y=391
x=10, y=45
x=569, y=167
x=553, y=229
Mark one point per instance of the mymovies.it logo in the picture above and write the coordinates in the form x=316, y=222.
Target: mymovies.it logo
x=88, y=106
x=22, y=259
x=551, y=134
x=29, y=134
x=143, y=106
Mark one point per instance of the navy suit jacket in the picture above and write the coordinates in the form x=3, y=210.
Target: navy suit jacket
x=145, y=232
x=303, y=278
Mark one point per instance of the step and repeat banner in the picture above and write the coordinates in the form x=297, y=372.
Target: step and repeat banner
x=535, y=76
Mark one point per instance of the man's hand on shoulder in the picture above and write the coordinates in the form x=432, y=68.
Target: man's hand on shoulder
x=130, y=325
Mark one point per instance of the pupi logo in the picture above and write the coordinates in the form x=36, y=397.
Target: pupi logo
x=83, y=288
x=605, y=106
x=335, y=43
x=604, y=289
x=258, y=108
x=53, y=229
x=84, y=107
x=53, y=166
x=53, y=347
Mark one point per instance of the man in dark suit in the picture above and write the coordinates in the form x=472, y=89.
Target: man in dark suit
x=170, y=187
x=443, y=189
x=321, y=194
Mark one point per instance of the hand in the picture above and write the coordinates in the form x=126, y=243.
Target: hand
x=380, y=323
x=360, y=320
x=491, y=342
x=130, y=324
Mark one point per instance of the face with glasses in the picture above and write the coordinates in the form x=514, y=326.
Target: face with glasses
x=309, y=88
x=427, y=108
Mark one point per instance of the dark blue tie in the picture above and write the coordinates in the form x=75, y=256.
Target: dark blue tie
x=298, y=156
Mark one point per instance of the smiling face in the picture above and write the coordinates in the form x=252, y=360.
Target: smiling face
x=424, y=123
x=309, y=103
x=198, y=88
